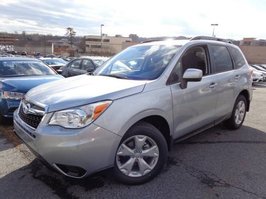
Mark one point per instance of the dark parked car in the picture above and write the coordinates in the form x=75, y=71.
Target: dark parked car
x=17, y=76
x=55, y=63
x=82, y=65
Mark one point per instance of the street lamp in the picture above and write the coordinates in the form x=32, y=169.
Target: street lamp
x=102, y=34
x=213, y=25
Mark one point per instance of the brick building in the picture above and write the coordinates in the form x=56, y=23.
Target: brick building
x=254, y=50
x=106, y=45
x=7, y=42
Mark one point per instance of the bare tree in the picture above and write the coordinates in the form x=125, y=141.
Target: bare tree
x=70, y=34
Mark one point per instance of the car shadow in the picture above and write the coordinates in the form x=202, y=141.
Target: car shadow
x=220, y=134
x=37, y=173
x=4, y=143
x=8, y=136
x=196, y=159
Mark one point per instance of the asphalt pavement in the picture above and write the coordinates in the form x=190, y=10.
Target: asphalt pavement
x=215, y=164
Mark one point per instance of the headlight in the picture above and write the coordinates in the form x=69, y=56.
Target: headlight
x=79, y=117
x=12, y=95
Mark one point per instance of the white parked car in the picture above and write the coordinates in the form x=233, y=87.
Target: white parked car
x=257, y=76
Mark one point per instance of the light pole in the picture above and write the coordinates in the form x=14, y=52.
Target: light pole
x=213, y=25
x=102, y=34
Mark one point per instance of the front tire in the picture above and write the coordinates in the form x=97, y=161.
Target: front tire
x=141, y=154
x=239, y=113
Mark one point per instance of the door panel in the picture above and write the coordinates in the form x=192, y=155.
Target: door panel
x=225, y=89
x=195, y=106
x=226, y=78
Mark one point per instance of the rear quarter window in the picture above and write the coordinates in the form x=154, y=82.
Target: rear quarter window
x=221, y=58
x=238, y=57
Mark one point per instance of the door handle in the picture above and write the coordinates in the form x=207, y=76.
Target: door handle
x=212, y=85
x=237, y=77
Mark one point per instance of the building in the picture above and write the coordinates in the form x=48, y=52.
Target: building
x=254, y=50
x=62, y=48
x=106, y=45
x=7, y=42
x=252, y=42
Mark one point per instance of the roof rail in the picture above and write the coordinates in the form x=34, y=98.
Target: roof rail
x=211, y=38
x=152, y=40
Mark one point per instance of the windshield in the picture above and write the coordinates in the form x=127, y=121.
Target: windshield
x=55, y=62
x=139, y=62
x=24, y=68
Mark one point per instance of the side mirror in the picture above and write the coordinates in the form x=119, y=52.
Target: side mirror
x=191, y=75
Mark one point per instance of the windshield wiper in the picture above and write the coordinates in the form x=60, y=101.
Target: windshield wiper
x=118, y=76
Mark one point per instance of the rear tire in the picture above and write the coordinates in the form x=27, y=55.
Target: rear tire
x=141, y=154
x=238, y=115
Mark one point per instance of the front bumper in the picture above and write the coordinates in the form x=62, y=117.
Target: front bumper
x=89, y=149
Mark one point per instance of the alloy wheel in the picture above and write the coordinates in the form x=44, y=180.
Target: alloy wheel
x=137, y=156
x=240, y=112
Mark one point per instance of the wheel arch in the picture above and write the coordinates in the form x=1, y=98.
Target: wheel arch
x=162, y=125
x=157, y=120
x=246, y=94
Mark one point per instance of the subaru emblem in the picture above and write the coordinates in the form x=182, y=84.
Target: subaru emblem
x=26, y=107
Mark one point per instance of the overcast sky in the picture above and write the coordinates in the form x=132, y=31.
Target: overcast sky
x=146, y=18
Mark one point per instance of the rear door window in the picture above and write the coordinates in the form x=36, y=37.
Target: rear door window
x=221, y=58
x=87, y=65
x=75, y=64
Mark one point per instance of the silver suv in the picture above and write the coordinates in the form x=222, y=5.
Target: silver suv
x=128, y=114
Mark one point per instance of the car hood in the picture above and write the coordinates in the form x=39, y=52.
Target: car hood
x=56, y=65
x=25, y=83
x=81, y=90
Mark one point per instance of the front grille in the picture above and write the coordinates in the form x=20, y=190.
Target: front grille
x=30, y=119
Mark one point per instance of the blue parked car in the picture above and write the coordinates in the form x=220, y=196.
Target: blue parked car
x=17, y=76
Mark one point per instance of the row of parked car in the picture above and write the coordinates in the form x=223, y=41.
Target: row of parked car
x=76, y=66
x=87, y=64
x=69, y=66
x=259, y=73
x=19, y=74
